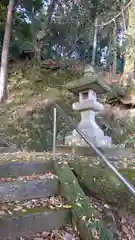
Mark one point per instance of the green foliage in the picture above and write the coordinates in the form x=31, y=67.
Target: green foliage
x=117, y=91
x=2, y=13
x=54, y=30
x=120, y=129
x=128, y=129
x=131, y=140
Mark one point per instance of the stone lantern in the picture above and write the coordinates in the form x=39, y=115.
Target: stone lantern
x=87, y=88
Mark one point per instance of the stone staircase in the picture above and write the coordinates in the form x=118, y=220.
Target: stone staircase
x=22, y=183
x=28, y=183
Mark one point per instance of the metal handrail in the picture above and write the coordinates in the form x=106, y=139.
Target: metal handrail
x=70, y=121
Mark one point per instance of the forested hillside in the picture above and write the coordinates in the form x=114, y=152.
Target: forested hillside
x=44, y=44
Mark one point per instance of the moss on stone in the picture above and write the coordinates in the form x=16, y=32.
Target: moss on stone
x=85, y=217
x=102, y=183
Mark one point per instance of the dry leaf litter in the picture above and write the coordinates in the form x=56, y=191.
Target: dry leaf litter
x=65, y=233
x=31, y=177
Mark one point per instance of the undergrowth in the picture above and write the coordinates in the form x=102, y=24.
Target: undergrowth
x=27, y=117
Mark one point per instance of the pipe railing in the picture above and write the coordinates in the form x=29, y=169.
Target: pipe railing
x=101, y=156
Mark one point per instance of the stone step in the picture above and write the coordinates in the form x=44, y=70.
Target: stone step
x=88, y=151
x=16, y=168
x=26, y=224
x=24, y=190
x=8, y=149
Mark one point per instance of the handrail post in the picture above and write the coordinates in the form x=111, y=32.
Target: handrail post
x=54, y=132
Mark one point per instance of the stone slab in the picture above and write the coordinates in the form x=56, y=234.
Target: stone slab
x=13, y=227
x=89, y=81
x=88, y=151
x=8, y=149
x=18, y=169
x=17, y=190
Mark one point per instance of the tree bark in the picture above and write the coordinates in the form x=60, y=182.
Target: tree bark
x=114, y=67
x=37, y=44
x=123, y=16
x=5, y=52
x=129, y=68
x=51, y=10
x=37, y=53
x=33, y=31
x=94, y=42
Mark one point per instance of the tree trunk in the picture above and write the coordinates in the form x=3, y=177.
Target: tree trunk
x=51, y=9
x=94, y=42
x=37, y=50
x=33, y=31
x=114, y=67
x=5, y=51
x=129, y=68
x=123, y=16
